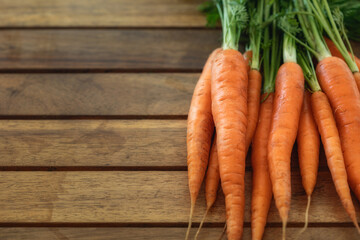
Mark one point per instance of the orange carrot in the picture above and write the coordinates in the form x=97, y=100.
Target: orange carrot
x=289, y=89
x=261, y=187
x=330, y=138
x=338, y=83
x=336, y=53
x=253, y=104
x=229, y=107
x=200, y=128
x=212, y=181
x=308, y=142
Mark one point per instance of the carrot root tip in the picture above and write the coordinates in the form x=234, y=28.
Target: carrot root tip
x=284, y=222
x=357, y=225
x=202, y=222
x=306, y=218
x=223, y=232
x=190, y=221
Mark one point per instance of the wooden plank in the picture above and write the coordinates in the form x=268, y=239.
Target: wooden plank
x=106, y=49
x=138, y=197
x=122, y=50
x=96, y=94
x=101, y=13
x=318, y=233
x=98, y=143
x=93, y=143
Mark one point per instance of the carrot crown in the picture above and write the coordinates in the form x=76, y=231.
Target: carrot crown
x=234, y=17
x=305, y=61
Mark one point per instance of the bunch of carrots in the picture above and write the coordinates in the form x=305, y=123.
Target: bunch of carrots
x=298, y=81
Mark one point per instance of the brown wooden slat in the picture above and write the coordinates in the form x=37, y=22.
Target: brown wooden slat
x=100, y=13
x=97, y=143
x=333, y=233
x=93, y=143
x=137, y=197
x=96, y=94
x=106, y=49
x=130, y=50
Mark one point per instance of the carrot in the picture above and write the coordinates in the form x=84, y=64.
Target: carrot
x=330, y=138
x=308, y=146
x=261, y=192
x=338, y=83
x=212, y=181
x=229, y=83
x=255, y=78
x=336, y=53
x=253, y=97
x=261, y=184
x=229, y=107
x=308, y=142
x=200, y=129
x=308, y=136
x=289, y=89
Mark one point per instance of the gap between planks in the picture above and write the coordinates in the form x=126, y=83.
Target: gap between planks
x=165, y=225
x=133, y=233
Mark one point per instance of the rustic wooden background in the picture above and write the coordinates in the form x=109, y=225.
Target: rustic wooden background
x=93, y=102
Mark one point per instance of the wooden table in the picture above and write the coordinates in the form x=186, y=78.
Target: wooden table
x=93, y=102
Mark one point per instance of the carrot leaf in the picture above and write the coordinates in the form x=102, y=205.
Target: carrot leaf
x=255, y=33
x=234, y=19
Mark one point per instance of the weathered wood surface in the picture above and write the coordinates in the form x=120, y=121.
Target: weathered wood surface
x=98, y=143
x=138, y=197
x=312, y=233
x=117, y=36
x=96, y=94
x=121, y=50
x=93, y=143
x=101, y=13
x=101, y=49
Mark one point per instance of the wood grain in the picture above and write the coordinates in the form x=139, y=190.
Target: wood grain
x=138, y=197
x=98, y=143
x=319, y=233
x=128, y=50
x=108, y=50
x=101, y=13
x=96, y=94
x=93, y=143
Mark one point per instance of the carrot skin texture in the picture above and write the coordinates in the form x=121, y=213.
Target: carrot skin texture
x=212, y=179
x=289, y=90
x=330, y=138
x=337, y=82
x=200, y=128
x=308, y=141
x=229, y=106
x=261, y=185
x=254, y=92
